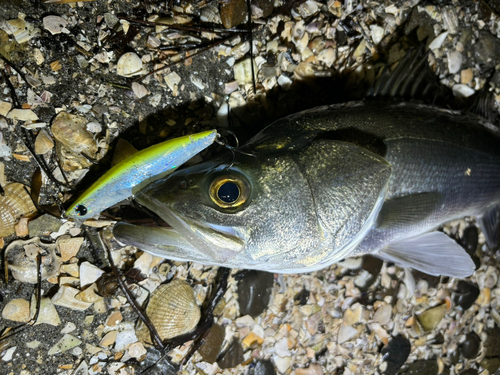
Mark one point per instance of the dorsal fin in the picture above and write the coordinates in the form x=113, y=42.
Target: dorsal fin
x=411, y=79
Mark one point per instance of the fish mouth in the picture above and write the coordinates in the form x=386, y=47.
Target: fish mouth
x=186, y=240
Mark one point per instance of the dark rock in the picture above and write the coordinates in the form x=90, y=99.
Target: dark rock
x=395, y=353
x=302, y=297
x=212, y=344
x=470, y=371
x=492, y=342
x=470, y=239
x=43, y=226
x=490, y=364
x=466, y=294
x=263, y=367
x=454, y=357
x=486, y=49
x=470, y=347
x=266, y=6
x=424, y=367
x=254, y=292
x=233, y=12
x=233, y=355
x=372, y=264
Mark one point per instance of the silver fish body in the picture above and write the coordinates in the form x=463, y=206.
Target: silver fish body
x=330, y=183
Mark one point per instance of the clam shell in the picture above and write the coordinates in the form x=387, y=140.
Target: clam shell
x=13, y=205
x=172, y=309
x=129, y=65
x=21, y=260
x=17, y=310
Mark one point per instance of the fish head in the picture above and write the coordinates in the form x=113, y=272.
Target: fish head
x=281, y=212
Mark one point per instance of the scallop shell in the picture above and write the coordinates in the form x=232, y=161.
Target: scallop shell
x=172, y=309
x=22, y=263
x=13, y=205
x=73, y=141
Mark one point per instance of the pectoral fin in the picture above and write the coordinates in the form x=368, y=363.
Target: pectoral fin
x=490, y=225
x=433, y=253
x=400, y=212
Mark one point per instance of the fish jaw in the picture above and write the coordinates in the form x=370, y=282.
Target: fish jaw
x=208, y=243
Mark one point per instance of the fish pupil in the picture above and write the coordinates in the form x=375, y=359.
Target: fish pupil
x=228, y=192
x=81, y=210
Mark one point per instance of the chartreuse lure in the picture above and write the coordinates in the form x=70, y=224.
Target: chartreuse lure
x=139, y=169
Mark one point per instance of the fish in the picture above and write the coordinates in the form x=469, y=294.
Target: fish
x=136, y=171
x=316, y=187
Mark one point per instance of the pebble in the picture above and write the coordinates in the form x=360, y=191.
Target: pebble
x=68, y=247
x=470, y=347
x=346, y=333
x=233, y=12
x=486, y=50
x=263, y=367
x=466, y=76
x=44, y=225
x=302, y=297
x=466, y=294
x=462, y=91
x=454, y=62
x=430, y=318
x=490, y=364
x=492, y=342
x=89, y=273
x=395, y=354
x=383, y=314
x=438, y=41
x=17, y=310
x=233, y=356
x=423, y=367
x=254, y=292
x=7, y=355
x=212, y=344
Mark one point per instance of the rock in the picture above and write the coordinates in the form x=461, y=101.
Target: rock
x=438, y=41
x=212, y=344
x=462, y=91
x=302, y=297
x=395, y=354
x=44, y=225
x=233, y=355
x=430, y=318
x=422, y=367
x=492, y=342
x=470, y=371
x=67, y=342
x=266, y=6
x=470, y=347
x=22, y=115
x=136, y=350
x=68, y=246
x=486, y=50
x=233, y=13
x=263, y=367
x=466, y=76
x=466, y=294
x=490, y=364
x=254, y=292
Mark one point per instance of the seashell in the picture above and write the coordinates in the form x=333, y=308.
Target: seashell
x=17, y=310
x=21, y=260
x=210, y=13
x=21, y=30
x=129, y=65
x=172, y=309
x=15, y=203
x=43, y=143
x=305, y=10
x=55, y=24
x=74, y=144
x=172, y=80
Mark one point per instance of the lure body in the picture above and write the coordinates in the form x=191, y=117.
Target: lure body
x=139, y=169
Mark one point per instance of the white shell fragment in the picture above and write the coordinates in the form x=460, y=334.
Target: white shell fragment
x=454, y=62
x=21, y=30
x=129, y=65
x=377, y=33
x=48, y=313
x=22, y=115
x=243, y=71
x=89, y=273
x=139, y=90
x=438, y=41
x=68, y=246
x=67, y=342
x=172, y=80
x=55, y=25
x=65, y=297
x=17, y=310
x=462, y=91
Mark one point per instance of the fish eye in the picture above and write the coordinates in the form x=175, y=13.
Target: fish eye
x=229, y=191
x=184, y=184
x=81, y=210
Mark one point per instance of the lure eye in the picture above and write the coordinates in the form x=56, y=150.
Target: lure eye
x=229, y=191
x=81, y=210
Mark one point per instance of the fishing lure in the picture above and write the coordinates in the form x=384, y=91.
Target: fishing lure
x=139, y=169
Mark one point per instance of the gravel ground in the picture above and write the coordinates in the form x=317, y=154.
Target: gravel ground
x=347, y=319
